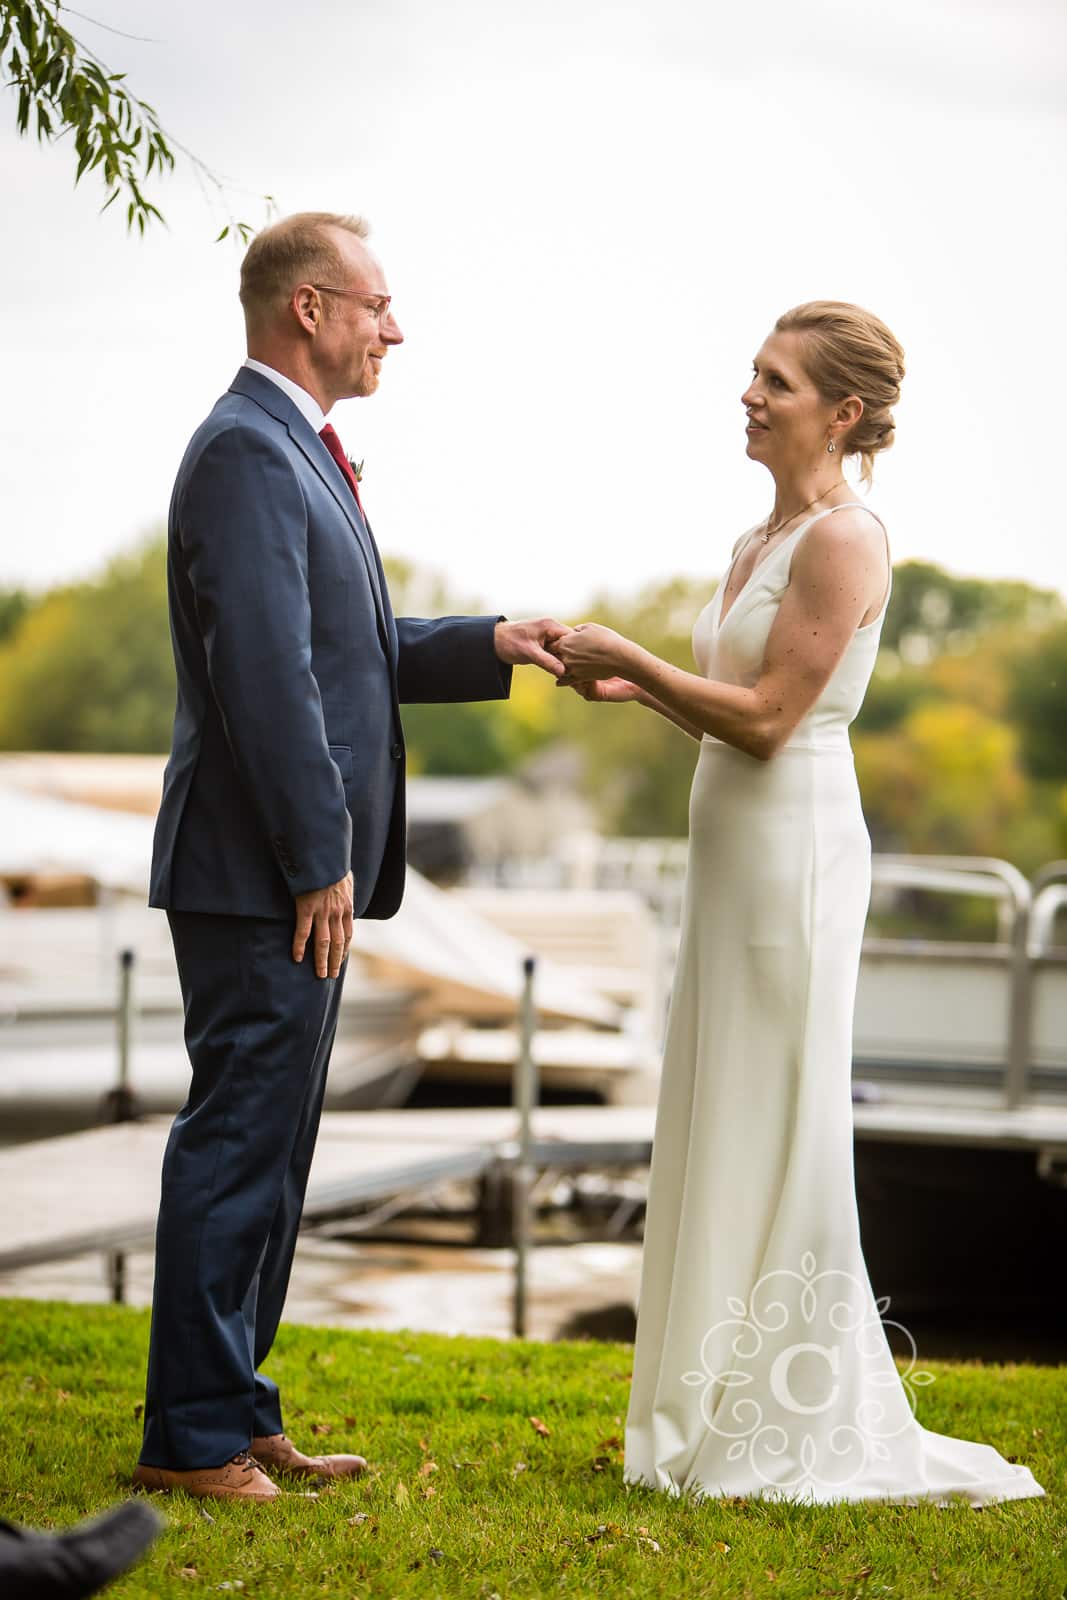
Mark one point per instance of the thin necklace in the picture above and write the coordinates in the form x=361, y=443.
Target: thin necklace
x=768, y=531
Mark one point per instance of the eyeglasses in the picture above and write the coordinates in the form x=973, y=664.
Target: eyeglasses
x=378, y=303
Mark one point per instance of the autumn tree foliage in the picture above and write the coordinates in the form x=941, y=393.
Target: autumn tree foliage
x=960, y=747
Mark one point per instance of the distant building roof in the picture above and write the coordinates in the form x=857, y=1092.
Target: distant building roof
x=454, y=799
x=116, y=782
x=42, y=835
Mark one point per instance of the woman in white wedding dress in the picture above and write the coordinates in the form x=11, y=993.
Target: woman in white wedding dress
x=761, y=1364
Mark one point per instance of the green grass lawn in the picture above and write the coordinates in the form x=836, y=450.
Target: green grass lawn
x=467, y=1496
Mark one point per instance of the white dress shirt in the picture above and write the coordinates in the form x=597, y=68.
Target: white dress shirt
x=305, y=403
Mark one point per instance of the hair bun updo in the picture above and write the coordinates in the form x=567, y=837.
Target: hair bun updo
x=847, y=351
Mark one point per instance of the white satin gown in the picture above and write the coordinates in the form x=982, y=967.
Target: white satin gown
x=761, y=1365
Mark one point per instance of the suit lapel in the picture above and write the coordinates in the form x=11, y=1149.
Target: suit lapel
x=311, y=446
x=307, y=441
x=387, y=609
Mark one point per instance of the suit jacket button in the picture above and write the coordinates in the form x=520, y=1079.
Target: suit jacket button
x=397, y=751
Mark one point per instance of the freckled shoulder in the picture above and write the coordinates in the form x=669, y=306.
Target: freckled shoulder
x=843, y=556
x=852, y=534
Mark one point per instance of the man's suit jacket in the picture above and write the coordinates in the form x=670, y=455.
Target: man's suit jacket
x=287, y=762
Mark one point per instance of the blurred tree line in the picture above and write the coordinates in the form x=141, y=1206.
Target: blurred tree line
x=961, y=745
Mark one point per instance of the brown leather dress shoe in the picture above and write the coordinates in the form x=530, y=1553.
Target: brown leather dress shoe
x=237, y=1479
x=281, y=1455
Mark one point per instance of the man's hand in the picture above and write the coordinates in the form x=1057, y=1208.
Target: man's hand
x=326, y=915
x=521, y=643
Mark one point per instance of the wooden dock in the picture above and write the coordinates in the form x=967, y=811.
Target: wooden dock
x=99, y=1190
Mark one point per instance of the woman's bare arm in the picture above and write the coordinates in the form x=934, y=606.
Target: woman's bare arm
x=680, y=721
x=617, y=691
x=838, y=573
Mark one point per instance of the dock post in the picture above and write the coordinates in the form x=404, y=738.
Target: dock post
x=525, y=1095
x=126, y=960
x=120, y=1102
x=1017, y=1073
x=1017, y=1082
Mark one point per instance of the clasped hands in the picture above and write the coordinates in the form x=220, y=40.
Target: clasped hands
x=590, y=659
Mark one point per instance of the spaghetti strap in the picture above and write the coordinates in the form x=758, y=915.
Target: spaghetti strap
x=847, y=505
x=741, y=539
x=790, y=543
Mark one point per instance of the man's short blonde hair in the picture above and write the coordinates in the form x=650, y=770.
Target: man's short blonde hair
x=298, y=249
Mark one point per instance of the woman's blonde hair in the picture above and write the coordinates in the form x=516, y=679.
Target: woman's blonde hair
x=851, y=351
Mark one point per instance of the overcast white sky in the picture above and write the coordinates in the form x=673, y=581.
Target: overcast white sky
x=590, y=215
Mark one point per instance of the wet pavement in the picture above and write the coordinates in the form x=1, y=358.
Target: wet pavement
x=431, y=1288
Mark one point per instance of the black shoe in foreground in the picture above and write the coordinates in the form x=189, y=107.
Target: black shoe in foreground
x=78, y=1561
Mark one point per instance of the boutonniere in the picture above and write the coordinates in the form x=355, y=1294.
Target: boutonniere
x=357, y=469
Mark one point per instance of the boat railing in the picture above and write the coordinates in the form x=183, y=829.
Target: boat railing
x=985, y=876
x=1049, y=891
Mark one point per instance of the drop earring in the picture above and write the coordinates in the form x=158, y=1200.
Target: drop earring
x=830, y=447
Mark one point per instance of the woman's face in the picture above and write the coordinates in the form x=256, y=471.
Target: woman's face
x=789, y=422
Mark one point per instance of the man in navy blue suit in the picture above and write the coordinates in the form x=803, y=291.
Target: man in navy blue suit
x=282, y=819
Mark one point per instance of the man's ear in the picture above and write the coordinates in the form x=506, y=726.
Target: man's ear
x=306, y=307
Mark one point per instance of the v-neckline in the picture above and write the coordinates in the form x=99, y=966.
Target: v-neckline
x=757, y=568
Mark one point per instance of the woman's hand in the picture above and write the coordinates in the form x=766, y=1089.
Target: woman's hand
x=608, y=691
x=591, y=651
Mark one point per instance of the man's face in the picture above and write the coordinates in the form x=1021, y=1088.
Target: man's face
x=358, y=326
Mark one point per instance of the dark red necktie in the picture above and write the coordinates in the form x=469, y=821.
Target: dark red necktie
x=334, y=446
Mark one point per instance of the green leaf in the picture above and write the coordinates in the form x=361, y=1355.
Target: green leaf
x=64, y=88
